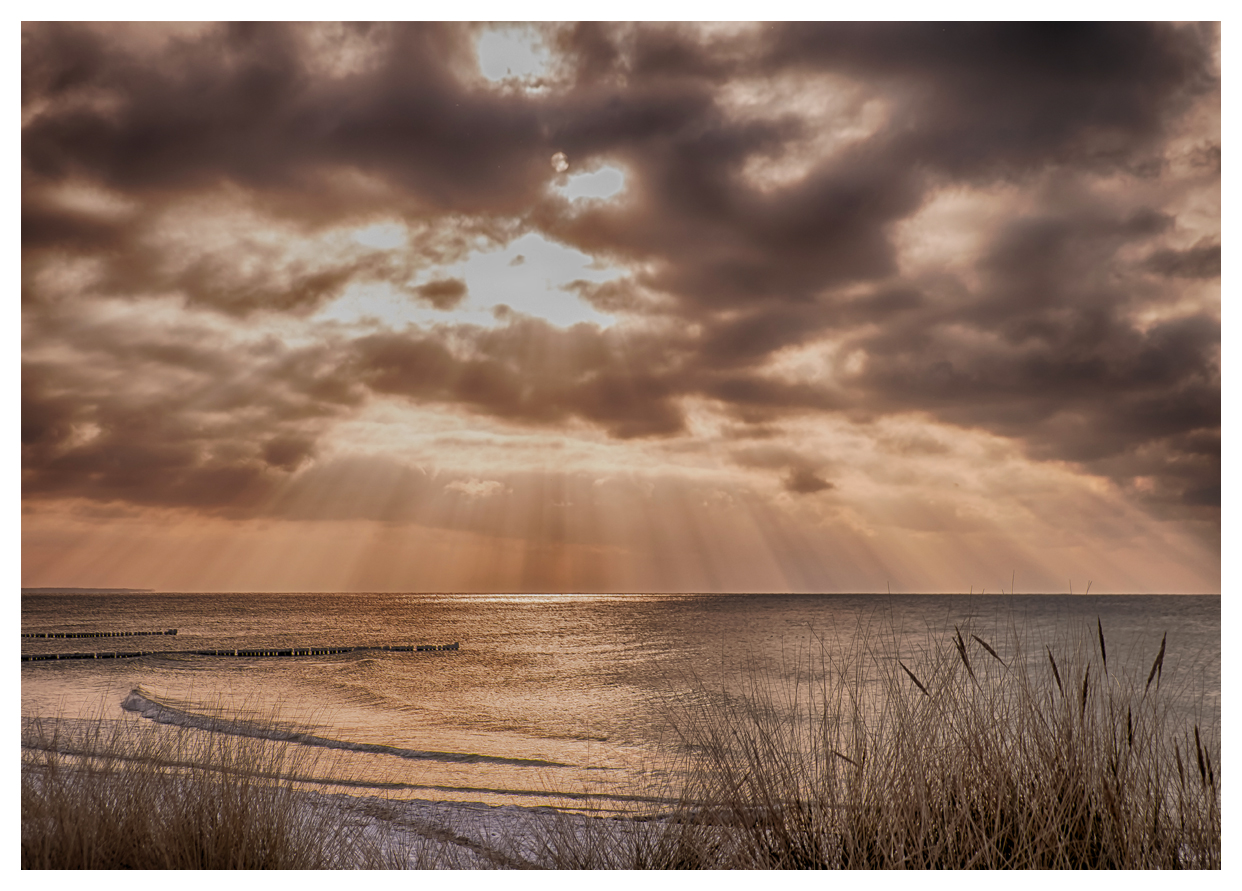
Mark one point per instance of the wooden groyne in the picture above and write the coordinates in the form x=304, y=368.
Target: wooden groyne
x=250, y=652
x=48, y=634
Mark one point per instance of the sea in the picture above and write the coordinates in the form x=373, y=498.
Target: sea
x=548, y=701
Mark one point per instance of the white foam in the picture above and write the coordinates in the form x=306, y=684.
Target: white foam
x=144, y=704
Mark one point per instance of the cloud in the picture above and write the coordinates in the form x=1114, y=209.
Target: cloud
x=989, y=99
x=190, y=195
x=135, y=409
x=529, y=371
x=288, y=452
x=445, y=293
x=474, y=488
x=1049, y=351
x=1200, y=261
x=806, y=482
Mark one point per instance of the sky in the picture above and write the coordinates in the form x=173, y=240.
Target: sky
x=596, y=308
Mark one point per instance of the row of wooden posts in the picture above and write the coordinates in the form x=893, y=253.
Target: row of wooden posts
x=259, y=653
x=47, y=634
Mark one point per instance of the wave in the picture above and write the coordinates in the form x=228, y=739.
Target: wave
x=143, y=703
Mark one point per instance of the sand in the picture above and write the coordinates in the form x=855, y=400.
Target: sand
x=462, y=835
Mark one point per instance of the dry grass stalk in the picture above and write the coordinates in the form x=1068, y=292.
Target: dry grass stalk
x=1056, y=674
x=1157, y=667
x=985, y=645
x=961, y=650
x=917, y=682
x=1103, y=652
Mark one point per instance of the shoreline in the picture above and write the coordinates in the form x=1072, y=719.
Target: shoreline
x=1047, y=746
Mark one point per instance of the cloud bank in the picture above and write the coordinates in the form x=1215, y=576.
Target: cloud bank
x=1008, y=231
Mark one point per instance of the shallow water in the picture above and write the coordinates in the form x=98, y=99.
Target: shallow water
x=551, y=700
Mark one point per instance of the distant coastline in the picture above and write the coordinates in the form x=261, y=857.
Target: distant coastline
x=983, y=593
x=88, y=590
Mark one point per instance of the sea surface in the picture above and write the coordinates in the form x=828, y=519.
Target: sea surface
x=551, y=700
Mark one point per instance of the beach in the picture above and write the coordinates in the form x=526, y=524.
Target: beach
x=581, y=717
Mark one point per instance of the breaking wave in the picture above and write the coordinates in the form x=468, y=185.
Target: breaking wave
x=143, y=703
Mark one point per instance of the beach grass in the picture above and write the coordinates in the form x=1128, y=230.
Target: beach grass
x=115, y=794
x=975, y=753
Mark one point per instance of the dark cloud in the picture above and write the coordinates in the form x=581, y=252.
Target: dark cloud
x=718, y=243
x=288, y=452
x=754, y=335
x=1047, y=353
x=803, y=474
x=48, y=227
x=1067, y=332
x=1200, y=261
x=171, y=416
x=804, y=481
x=444, y=293
x=248, y=105
x=985, y=99
x=528, y=371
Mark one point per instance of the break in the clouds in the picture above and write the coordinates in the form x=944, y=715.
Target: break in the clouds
x=602, y=307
